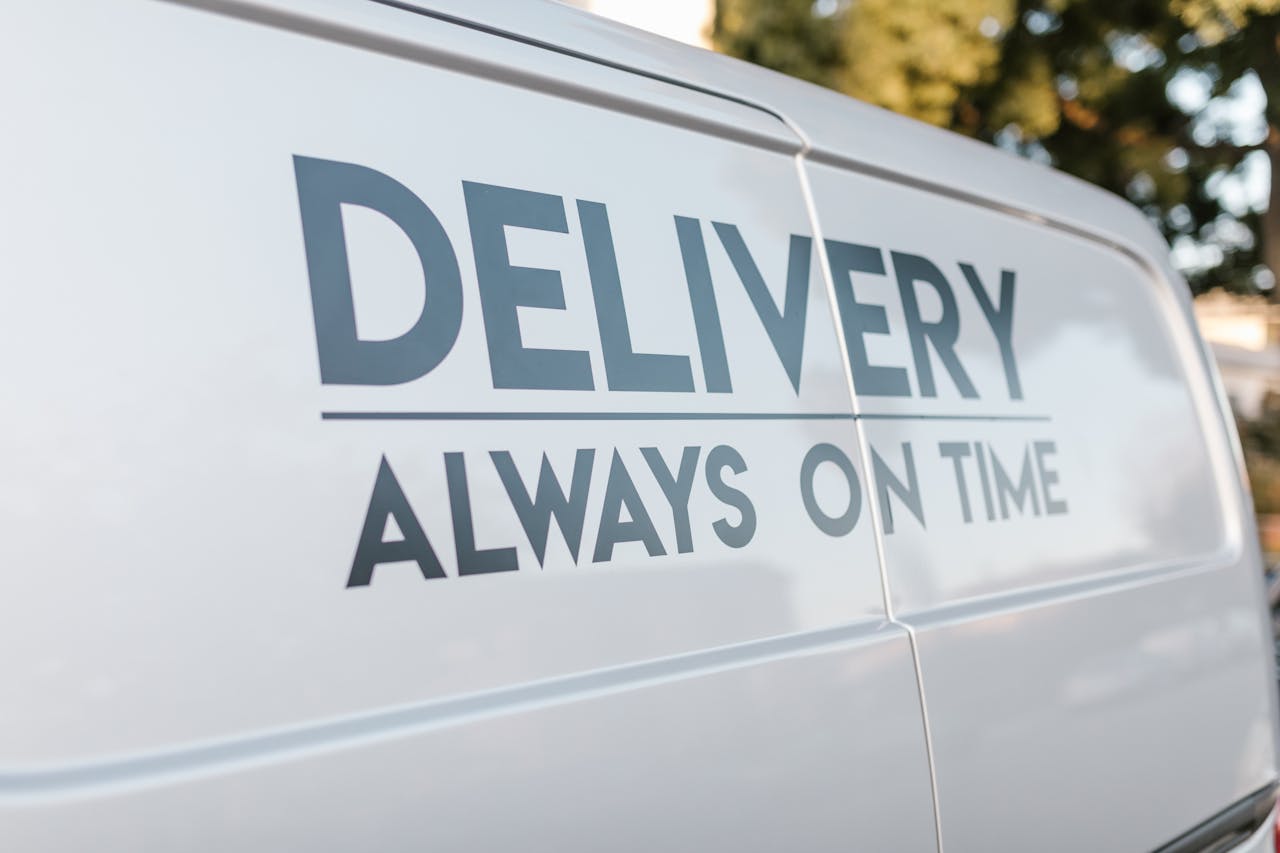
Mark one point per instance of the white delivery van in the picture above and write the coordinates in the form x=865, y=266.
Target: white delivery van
x=477, y=426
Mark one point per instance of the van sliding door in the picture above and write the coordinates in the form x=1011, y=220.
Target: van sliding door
x=1059, y=519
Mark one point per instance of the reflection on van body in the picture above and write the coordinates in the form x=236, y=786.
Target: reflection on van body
x=476, y=425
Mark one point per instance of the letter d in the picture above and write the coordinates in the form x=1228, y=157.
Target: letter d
x=323, y=187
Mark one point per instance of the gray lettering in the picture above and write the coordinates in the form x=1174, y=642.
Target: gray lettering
x=860, y=318
x=887, y=481
x=842, y=524
x=738, y=535
x=1001, y=322
x=323, y=187
x=677, y=489
x=942, y=333
x=471, y=561
x=786, y=328
x=1025, y=489
x=621, y=492
x=981, y=455
x=957, y=452
x=1048, y=478
x=626, y=369
x=504, y=288
x=388, y=501
x=702, y=298
x=550, y=502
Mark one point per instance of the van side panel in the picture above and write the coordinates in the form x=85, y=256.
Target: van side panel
x=417, y=435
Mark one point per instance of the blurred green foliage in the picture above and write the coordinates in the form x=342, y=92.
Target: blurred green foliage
x=921, y=57
x=785, y=35
x=1098, y=88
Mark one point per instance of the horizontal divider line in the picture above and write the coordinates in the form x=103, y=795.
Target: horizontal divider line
x=665, y=416
x=873, y=416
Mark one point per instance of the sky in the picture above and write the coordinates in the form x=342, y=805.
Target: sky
x=682, y=20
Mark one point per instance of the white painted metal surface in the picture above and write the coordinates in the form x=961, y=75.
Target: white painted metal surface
x=609, y=250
